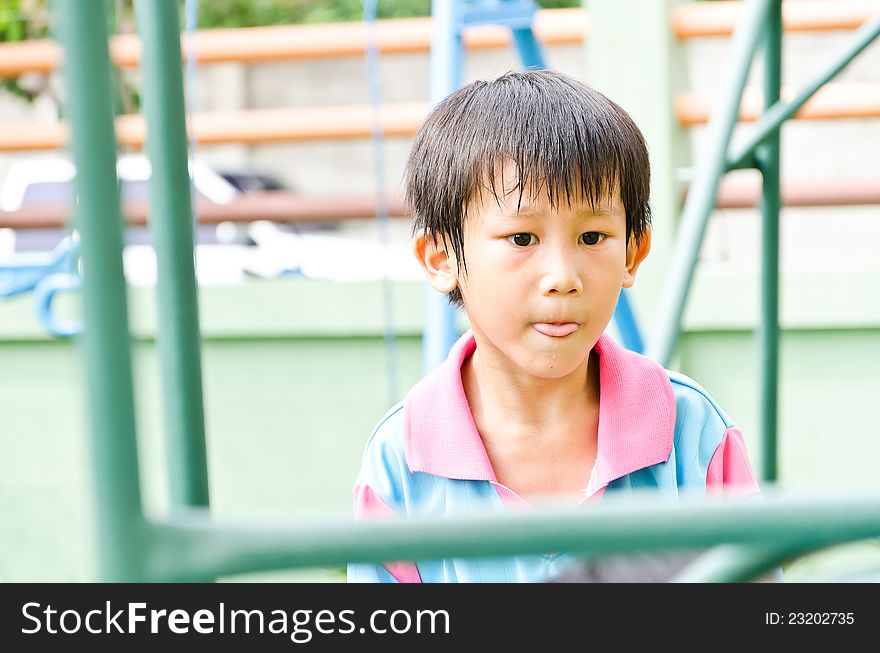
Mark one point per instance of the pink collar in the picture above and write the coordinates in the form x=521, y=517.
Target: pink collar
x=636, y=417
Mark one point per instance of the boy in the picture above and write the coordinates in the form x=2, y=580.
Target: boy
x=530, y=196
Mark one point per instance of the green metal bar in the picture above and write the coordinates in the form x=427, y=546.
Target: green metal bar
x=768, y=159
x=730, y=563
x=192, y=546
x=171, y=224
x=746, y=162
x=702, y=196
x=82, y=25
x=782, y=111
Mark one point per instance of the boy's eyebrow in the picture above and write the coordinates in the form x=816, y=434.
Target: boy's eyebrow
x=598, y=212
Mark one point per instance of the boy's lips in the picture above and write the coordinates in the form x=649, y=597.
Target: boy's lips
x=556, y=329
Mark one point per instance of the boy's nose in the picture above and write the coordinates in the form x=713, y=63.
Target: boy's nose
x=561, y=275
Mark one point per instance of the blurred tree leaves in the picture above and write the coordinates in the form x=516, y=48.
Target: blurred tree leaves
x=29, y=19
x=250, y=13
x=21, y=20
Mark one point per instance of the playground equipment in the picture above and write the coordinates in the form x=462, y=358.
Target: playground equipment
x=450, y=21
x=188, y=544
x=44, y=274
x=295, y=42
x=284, y=43
x=762, y=27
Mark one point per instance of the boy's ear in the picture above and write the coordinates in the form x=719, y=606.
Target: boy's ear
x=439, y=265
x=635, y=254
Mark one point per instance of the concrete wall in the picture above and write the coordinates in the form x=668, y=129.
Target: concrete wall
x=295, y=376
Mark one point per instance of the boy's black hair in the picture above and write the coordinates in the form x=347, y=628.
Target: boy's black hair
x=561, y=135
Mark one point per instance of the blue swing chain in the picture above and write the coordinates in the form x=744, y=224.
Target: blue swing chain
x=191, y=8
x=382, y=218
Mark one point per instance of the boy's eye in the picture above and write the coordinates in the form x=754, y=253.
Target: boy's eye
x=592, y=237
x=521, y=240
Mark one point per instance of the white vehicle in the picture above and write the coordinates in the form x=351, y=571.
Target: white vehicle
x=48, y=181
x=32, y=182
x=225, y=252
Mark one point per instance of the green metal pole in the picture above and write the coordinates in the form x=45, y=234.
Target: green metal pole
x=782, y=111
x=702, y=196
x=730, y=563
x=768, y=159
x=191, y=545
x=82, y=25
x=171, y=224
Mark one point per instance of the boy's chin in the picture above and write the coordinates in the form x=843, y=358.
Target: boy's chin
x=551, y=369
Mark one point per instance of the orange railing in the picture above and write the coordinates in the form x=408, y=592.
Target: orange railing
x=558, y=26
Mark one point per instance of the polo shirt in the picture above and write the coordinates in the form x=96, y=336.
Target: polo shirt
x=657, y=429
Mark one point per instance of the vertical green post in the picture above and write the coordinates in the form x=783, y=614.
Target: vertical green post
x=171, y=224
x=711, y=166
x=82, y=25
x=645, y=80
x=767, y=156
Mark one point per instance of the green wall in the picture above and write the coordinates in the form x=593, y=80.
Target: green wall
x=295, y=378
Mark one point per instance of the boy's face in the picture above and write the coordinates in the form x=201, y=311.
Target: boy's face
x=542, y=284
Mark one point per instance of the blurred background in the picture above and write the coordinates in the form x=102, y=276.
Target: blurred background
x=311, y=307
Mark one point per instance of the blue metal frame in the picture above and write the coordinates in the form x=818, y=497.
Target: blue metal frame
x=45, y=273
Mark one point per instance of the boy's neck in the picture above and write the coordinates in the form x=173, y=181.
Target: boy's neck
x=541, y=438
x=523, y=407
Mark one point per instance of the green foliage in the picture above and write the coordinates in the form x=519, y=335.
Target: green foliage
x=559, y=4
x=21, y=20
x=251, y=13
x=29, y=19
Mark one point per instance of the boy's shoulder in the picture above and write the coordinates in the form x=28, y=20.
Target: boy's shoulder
x=434, y=393
x=383, y=456
x=388, y=431
x=693, y=403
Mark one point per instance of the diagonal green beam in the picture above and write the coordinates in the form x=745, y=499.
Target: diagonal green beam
x=702, y=195
x=729, y=563
x=779, y=112
x=82, y=26
x=193, y=546
x=171, y=225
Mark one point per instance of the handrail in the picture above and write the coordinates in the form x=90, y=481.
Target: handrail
x=300, y=124
x=248, y=126
x=704, y=19
x=304, y=42
x=412, y=35
x=275, y=206
x=282, y=206
x=832, y=102
x=746, y=193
